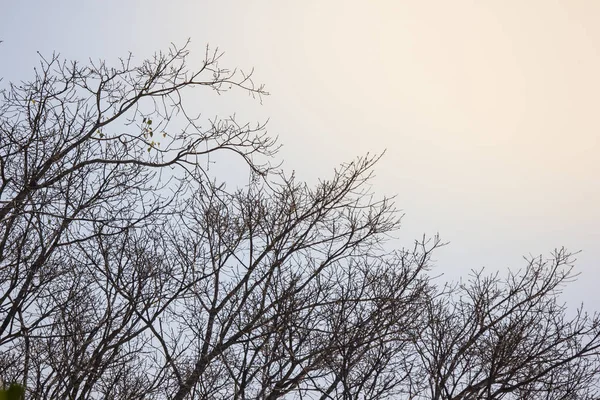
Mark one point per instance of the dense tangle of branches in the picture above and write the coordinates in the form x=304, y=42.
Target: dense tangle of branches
x=127, y=272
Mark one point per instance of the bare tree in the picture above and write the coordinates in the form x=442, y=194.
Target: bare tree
x=492, y=338
x=84, y=175
x=127, y=271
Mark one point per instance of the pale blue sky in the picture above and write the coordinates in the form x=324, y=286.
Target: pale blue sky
x=488, y=110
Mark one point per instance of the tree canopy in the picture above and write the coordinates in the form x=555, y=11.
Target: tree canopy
x=127, y=271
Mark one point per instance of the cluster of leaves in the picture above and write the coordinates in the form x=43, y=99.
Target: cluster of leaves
x=14, y=392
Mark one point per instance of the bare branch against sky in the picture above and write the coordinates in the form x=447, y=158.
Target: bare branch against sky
x=157, y=241
x=129, y=270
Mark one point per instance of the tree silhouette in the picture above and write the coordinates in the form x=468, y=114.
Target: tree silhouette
x=128, y=271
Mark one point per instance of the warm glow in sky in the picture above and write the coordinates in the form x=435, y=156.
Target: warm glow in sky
x=489, y=110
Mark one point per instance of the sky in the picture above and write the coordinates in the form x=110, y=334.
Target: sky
x=487, y=110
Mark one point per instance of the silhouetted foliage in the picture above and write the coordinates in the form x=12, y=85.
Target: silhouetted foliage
x=127, y=271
